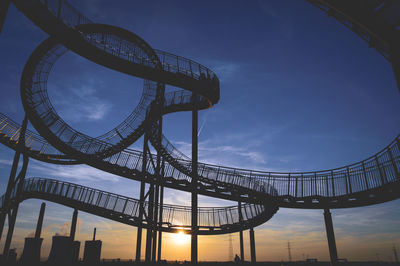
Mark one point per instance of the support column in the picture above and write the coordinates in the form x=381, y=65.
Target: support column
x=241, y=233
x=331, y=237
x=12, y=178
x=157, y=196
x=149, y=231
x=40, y=221
x=73, y=224
x=13, y=211
x=396, y=70
x=194, y=254
x=139, y=229
x=252, y=246
x=396, y=64
x=142, y=189
x=161, y=213
x=4, y=5
x=10, y=187
x=155, y=219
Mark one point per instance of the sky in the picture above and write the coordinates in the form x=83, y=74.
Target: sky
x=299, y=92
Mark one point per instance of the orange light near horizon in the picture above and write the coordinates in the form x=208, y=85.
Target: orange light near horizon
x=181, y=238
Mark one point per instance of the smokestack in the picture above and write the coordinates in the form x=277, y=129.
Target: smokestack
x=73, y=224
x=40, y=221
x=94, y=234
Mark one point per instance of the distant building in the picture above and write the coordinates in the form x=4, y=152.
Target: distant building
x=64, y=250
x=92, y=251
x=31, y=251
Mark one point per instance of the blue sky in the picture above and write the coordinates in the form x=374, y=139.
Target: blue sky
x=299, y=91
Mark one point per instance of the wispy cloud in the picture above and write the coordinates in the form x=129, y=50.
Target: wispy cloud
x=80, y=173
x=241, y=149
x=81, y=102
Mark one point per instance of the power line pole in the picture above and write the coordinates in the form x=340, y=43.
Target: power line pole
x=290, y=254
x=396, y=258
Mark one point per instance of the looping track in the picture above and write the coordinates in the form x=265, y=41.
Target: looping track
x=212, y=220
x=371, y=181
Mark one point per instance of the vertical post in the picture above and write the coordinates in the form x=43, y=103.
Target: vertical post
x=155, y=219
x=139, y=229
x=252, y=246
x=40, y=221
x=157, y=196
x=73, y=225
x=241, y=233
x=12, y=216
x=161, y=214
x=331, y=236
x=194, y=179
x=94, y=234
x=142, y=188
x=16, y=184
x=4, y=5
x=396, y=65
x=10, y=187
x=149, y=231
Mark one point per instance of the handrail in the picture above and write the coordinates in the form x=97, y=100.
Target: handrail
x=211, y=220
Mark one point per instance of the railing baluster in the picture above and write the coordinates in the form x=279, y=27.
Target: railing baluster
x=380, y=170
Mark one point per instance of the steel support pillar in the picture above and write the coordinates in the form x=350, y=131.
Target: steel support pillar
x=331, y=237
x=15, y=184
x=142, y=190
x=40, y=221
x=12, y=215
x=13, y=173
x=155, y=220
x=396, y=70
x=241, y=233
x=160, y=220
x=194, y=248
x=73, y=224
x=395, y=60
x=4, y=5
x=157, y=195
x=10, y=187
x=252, y=246
x=139, y=229
x=149, y=231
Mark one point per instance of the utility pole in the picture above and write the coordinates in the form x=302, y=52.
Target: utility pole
x=396, y=258
x=289, y=253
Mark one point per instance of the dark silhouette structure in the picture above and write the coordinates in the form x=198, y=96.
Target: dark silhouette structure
x=64, y=249
x=259, y=194
x=32, y=246
x=92, y=252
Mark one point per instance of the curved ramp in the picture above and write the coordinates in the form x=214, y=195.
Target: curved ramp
x=211, y=220
x=370, y=181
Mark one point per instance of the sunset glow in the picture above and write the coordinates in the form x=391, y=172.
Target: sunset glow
x=181, y=238
x=294, y=92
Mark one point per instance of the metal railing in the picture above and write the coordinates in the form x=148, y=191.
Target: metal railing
x=174, y=216
x=375, y=172
x=362, y=28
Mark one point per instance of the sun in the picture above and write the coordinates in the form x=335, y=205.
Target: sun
x=181, y=238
